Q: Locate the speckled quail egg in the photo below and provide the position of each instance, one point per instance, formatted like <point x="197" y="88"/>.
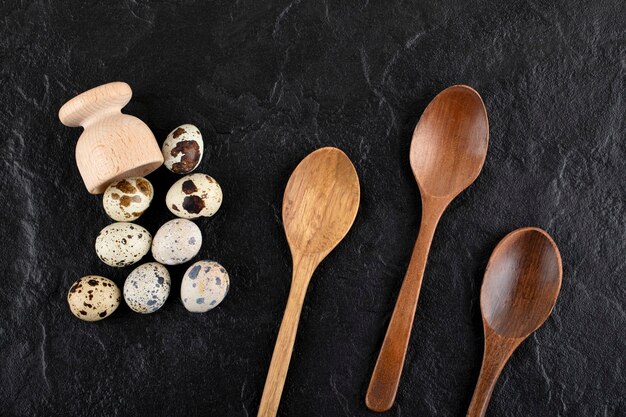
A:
<point x="147" y="288"/>
<point x="195" y="195"/>
<point x="176" y="242"/>
<point x="204" y="286"/>
<point x="183" y="149"/>
<point x="93" y="298"/>
<point x="126" y="200"/>
<point x="122" y="244"/>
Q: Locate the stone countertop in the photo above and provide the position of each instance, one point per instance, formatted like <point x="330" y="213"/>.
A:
<point x="267" y="83"/>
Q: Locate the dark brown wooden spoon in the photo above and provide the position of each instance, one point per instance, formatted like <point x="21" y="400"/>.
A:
<point x="448" y="150"/>
<point x="521" y="284"/>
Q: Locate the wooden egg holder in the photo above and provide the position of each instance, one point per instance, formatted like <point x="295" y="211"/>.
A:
<point x="113" y="145"/>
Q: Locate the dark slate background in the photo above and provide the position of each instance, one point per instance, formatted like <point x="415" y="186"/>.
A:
<point x="267" y="84"/>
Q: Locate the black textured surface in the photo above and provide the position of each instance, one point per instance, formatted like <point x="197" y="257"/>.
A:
<point x="278" y="81"/>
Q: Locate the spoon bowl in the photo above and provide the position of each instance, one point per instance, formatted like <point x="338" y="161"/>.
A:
<point x="521" y="285"/>
<point x="447" y="157"/>
<point x="318" y="208"/>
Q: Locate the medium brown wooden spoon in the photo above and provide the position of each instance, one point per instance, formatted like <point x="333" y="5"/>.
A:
<point x="448" y="150"/>
<point x="521" y="284"/>
<point x="319" y="207"/>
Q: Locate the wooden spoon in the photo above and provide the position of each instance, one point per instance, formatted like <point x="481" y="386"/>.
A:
<point x="319" y="207"/>
<point x="447" y="153"/>
<point x="522" y="282"/>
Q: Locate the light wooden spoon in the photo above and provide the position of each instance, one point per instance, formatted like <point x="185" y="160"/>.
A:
<point x="448" y="150"/>
<point x="319" y="207"/>
<point x="522" y="282"/>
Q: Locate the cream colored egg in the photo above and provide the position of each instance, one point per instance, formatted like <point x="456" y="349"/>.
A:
<point x="204" y="286"/>
<point x="147" y="288"/>
<point x="125" y="200"/>
<point x="183" y="149"/>
<point x="193" y="196"/>
<point x="122" y="244"/>
<point x="176" y="242"/>
<point x="93" y="298"/>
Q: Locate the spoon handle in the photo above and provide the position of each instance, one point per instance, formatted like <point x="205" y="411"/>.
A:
<point x="383" y="386"/>
<point x="497" y="352"/>
<point x="281" y="357"/>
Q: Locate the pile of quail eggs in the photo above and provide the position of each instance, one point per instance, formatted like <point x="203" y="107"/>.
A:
<point x="147" y="287"/>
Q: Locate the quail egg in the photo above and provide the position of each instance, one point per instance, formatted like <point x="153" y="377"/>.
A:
<point x="183" y="149"/>
<point x="126" y="200"/>
<point x="122" y="244"/>
<point x="93" y="298"/>
<point x="176" y="242"/>
<point x="147" y="288"/>
<point x="204" y="286"/>
<point x="193" y="196"/>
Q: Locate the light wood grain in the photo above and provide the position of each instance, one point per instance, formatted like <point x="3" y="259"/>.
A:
<point x="113" y="145"/>
<point x="320" y="204"/>
<point x="522" y="282"/>
<point x="447" y="153"/>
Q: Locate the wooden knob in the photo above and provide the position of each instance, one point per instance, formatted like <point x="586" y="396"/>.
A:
<point x="95" y="103"/>
<point x="113" y="145"/>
